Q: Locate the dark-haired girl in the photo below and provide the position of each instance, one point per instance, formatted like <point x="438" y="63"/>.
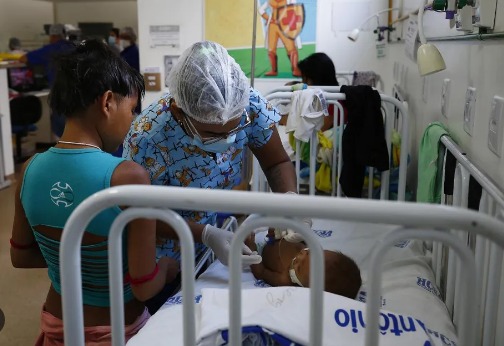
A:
<point x="97" y="93"/>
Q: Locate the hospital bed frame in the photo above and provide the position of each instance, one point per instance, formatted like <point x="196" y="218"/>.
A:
<point x="332" y="95"/>
<point x="275" y="210"/>
<point x="488" y="256"/>
<point x="346" y="78"/>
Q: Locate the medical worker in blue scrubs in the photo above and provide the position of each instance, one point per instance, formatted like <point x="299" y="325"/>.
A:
<point x="45" y="57"/>
<point x="196" y="135"/>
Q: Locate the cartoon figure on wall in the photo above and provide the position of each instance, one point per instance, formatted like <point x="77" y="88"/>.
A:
<point x="284" y="21"/>
<point x="286" y="33"/>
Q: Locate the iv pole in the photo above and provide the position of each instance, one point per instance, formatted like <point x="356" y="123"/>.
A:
<point x="254" y="33"/>
<point x="254" y="168"/>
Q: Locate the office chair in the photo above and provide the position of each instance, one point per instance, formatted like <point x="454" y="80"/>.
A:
<point x="25" y="110"/>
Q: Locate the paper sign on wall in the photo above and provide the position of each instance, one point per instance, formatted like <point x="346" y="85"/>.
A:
<point x="411" y="37"/>
<point x="164" y="35"/>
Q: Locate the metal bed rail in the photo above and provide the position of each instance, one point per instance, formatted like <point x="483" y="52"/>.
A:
<point x="229" y="225"/>
<point x="487" y="256"/>
<point x="346" y="78"/>
<point x="333" y="96"/>
<point x="142" y="199"/>
<point x="260" y="183"/>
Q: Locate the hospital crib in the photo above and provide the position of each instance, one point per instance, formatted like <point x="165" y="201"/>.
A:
<point x="346" y="78"/>
<point x="420" y="221"/>
<point x="464" y="183"/>
<point x="396" y="118"/>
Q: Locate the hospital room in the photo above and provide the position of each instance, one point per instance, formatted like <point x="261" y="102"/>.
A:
<point x="252" y="172"/>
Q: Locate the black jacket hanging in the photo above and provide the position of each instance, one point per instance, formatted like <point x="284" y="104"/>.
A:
<point x="363" y="140"/>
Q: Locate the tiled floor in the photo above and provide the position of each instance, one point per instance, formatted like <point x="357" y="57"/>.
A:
<point x="22" y="291"/>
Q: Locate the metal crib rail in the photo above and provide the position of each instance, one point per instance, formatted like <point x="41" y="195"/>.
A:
<point x="266" y="204"/>
<point x="488" y="257"/>
<point x="492" y="189"/>
<point x="333" y="94"/>
<point x="467" y="331"/>
<point x="316" y="275"/>
<point x="116" y="274"/>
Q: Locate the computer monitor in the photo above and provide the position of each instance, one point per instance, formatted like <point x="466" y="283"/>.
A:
<point x="46" y="28"/>
<point x="21" y="79"/>
<point x="95" y="30"/>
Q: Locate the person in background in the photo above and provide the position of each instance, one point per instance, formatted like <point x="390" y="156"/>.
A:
<point x="129" y="52"/>
<point x="15" y="46"/>
<point x="129" y="49"/>
<point x="318" y="69"/>
<point x="97" y="93"/>
<point x="114" y="41"/>
<point x="44" y="56"/>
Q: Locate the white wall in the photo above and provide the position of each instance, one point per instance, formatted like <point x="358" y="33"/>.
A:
<point x="121" y="13"/>
<point x="472" y="63"/>
<point x="469" y="63"/>
<point x="187" y="14"/>
<point x="348" y="55"/>
<point x="24" y="19"/>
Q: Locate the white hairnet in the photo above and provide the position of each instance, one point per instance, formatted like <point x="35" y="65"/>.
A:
<point x="208" y="84"/>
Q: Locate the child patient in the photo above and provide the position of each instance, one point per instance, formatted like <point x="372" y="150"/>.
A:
<point x="288" y="264"/>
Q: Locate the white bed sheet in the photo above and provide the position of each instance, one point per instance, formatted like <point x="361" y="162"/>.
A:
<point x="408" y="281"/>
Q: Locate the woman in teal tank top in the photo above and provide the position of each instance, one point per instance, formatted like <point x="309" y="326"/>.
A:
<point x="97" y="92"/>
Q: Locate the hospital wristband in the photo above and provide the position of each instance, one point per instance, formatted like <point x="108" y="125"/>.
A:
<point x="141" y="280"/>
<point x="22" y="247"/>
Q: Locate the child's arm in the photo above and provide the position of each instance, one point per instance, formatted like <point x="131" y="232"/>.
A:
<point x="270" y="277"/>
<point x="146" y="276"/>
<point x="24" y="251"/>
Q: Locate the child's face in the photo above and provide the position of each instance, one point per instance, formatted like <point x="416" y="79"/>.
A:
<point x="120" y="121"/>
<point x="301" y="266"/>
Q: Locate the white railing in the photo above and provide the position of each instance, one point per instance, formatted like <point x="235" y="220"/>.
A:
<point x="488" y="257"/>
<point x="429" y="221"/>
<point x="333" y="96"/>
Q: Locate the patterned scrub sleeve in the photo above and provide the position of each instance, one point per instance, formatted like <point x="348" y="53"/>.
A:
<point x="264" y="117"/>
<point x="145" y="143"/>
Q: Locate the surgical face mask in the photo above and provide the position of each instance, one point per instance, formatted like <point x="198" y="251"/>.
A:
<point x="215" y="147"/>
<point x="111" y="40"/>
<point x="292" y="272"/>
<point x="211" y="145"/>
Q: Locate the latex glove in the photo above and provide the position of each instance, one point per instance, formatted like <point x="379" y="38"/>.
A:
<point x="290" y="235"/>
<point x="220" y="242"/>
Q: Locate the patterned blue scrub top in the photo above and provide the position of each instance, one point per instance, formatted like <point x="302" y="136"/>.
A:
<point x="158" y="143"/>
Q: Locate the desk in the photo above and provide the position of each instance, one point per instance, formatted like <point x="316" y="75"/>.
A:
<point x="43" y="134"/>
